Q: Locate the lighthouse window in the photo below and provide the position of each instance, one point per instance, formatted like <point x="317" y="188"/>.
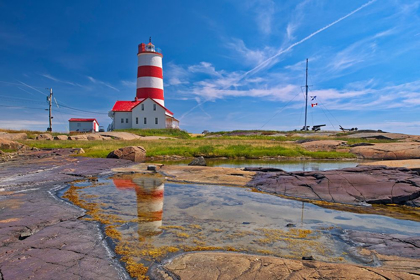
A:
<point x="122" y="120"/>
<point x="156" y="120"/>
<point x="137" y="120"/>
<point x="126" y="120"/>
<point x="154" y="107"/>
<point x="145" y="120"/>
<point x="142" y="107"/>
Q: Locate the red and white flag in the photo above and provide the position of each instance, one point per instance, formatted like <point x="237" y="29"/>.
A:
<point x="314" y="104"/>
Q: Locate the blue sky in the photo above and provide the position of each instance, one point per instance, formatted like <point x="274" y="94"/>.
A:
<point x="227" y="64"/>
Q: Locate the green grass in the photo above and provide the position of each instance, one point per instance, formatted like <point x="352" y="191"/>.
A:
<point x="158" y="132"/>
<point x="192" y="147"/>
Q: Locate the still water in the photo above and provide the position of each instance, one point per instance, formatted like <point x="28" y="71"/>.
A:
<point x="150" y="220"/>
<point x="286" y="165"/>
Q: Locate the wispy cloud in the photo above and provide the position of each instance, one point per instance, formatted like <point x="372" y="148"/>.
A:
<point x="270" y="60"/>
<point x="48" y="76"/>
<point x="264" y="11"/>
<point x="249" y="56"/>
<point x="95" y="81"/>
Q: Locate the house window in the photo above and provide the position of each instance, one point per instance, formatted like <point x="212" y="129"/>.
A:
<point x="156" y="120"/>
<point x="154" y="107"/>
<point x="145" y="120"/>
<point x="126" y="120"/>
<point x="142" y="107"/>
<point x="137" y="120"/>
<point x="122" y="120"/>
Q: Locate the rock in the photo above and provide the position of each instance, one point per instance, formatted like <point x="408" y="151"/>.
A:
<point x="323" y="145"/>
<point x="388" y="151"/>
<point x="78" y="151"/>
<point x="61" y="137"/>
<point x="133" y="153"/>
<point x="199" y="161"/>
<point x="93" y="137"/>
<point x="387" y="244"/>
<point x="307" y="258"/>
<point x="213" y="265"/>
<point x="44" y="136"/>
<point x="78" y="138"/>
<point x="11" y="145"/>
<point x="359" y="185"/>
<point x="13" y="136"/>
<point x="120" y="135"/>
<point x="413" y="164"/>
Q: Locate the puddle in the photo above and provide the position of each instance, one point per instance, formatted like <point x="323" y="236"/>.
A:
<point x="150" y="220"/>
<point x="286" y="165"/>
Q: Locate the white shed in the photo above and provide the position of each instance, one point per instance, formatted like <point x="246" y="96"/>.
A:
<point x="83" y="125"/>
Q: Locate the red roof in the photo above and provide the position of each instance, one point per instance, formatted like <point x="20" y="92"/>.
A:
<point x="82" y="120"/>
<point x="128" y="106"/>
<point x="125" y="106"/>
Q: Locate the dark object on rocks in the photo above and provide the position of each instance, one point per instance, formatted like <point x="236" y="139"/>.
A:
<point x="263" y="169"/>
<point x="362" y="144"/>
<point x="133" y="153"/>
<point x="301" y="141"/>
<point x="246" y="223"/>
<point x="199" y="161"/>
<point x="358" y="185"/>
<point x="151" y="168"/>
<point x="25" y="234"/>
<point x="290" y="225"/>
<point x="308" y="258"/>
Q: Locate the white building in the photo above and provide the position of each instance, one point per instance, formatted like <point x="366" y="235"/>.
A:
<point x="144" y="113"/>
<point x="83" y="125"/>
<point x="148" y="108"/>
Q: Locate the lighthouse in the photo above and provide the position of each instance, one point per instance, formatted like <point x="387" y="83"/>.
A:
<point x="150" y="73"/>
<point x="147" y="110"/>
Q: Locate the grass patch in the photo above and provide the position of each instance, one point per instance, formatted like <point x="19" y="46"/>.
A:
<point x="158" y="132"/>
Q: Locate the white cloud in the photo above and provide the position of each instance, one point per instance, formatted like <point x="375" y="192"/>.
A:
<point x="95" y="81"/>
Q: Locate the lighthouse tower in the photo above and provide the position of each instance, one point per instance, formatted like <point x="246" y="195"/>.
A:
<point x="149" y="73"/>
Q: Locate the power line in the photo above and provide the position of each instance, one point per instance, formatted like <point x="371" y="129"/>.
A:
<point x="280" y="110"/>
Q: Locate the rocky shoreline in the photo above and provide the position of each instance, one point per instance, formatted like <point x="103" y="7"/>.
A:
<point x="42" y="236"/>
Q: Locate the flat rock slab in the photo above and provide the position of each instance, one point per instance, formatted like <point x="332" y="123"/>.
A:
<point x="42" y="237"/>
<point x="413" y="164"/>
<point x="324" y="145"/>
<point x="380" y="135"/>
<point x="226" y="266"/>
<point x="388" y="151"/>
<point x="196" y="174"/>
<point x="120" y="135"/>
<point x="359" y="185"/>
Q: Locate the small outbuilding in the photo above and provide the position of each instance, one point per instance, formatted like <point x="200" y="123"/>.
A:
<point x="83" y="125"/>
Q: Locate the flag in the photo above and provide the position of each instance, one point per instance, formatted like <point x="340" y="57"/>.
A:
<point x="313" y="98"/>
<point x="314" y="104"/>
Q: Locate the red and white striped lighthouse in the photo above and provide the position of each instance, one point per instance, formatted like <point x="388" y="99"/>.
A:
<point x="149" y="73"/>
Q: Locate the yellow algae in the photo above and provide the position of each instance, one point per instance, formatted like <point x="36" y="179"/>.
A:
<point x="195" y="226"/>
<point x="112" y="232"/>
<point x="173" y="227"/>
<point x="265" y="252"/>
<point x="137" y="270"/>
<point x="199" y="242"/>
<point x="182" y="235"/>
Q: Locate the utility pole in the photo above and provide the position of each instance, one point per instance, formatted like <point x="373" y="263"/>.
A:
<point x="49" y="99"/>
<point x="306" y="100"/>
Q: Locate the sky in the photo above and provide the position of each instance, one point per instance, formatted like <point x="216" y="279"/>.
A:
<point x="227" y="65"/>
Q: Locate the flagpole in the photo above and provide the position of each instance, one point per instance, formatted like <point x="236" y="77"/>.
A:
<point x="306" y="100"/>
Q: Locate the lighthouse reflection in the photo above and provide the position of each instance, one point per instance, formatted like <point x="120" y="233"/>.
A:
<point x="149" y="197"/>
